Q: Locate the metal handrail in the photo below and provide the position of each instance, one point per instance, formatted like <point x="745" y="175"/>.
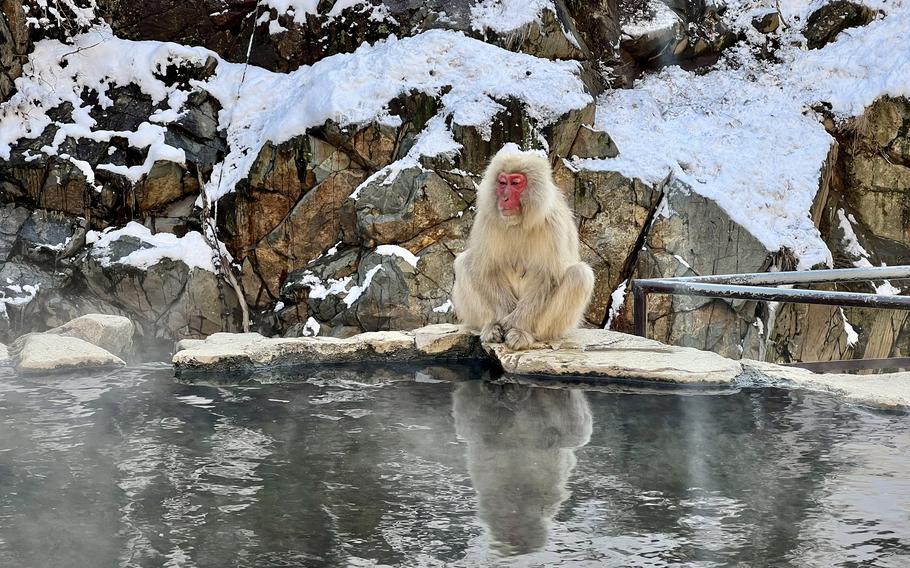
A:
<point x="749" y="287"/>
<point x="800" y="276"/>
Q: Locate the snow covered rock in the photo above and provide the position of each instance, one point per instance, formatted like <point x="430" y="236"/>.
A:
<point x="167" y="284"/>
<point x="111" y="333"/>
<point x="42" y="353"/>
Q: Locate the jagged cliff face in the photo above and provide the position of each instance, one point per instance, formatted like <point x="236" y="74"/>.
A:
<point x="325" y="184"/>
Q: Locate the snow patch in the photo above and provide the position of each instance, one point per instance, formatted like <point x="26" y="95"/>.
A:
<point x="504" y="16"/>
<point x="852" y="336"/>
<point x="851" y="242"/>
<point x="617" y="299"/>
<point x="310" y="328"/>
<point x="400" y="252"/>
<point x="354" y="294"/>
<point x="191" y="249"/>
<point x="21" y="294"/>
<point x="445" y="308"/>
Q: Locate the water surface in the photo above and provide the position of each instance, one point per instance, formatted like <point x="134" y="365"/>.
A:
<point x="435" y="467"/>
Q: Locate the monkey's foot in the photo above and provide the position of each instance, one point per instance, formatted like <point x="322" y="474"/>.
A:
<point x="491" y="333"/>
<point x="518" y="339"/>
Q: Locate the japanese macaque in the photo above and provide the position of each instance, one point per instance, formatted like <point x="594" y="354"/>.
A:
<point x="521" y="443"/>
<point x="521" y="280"/>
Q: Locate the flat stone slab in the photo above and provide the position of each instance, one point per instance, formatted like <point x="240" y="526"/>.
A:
<point x="610" y="354"/>
<point x="43" y="353"/>
<point x="886" y="390"/>
<point x="590" y="354"/>
<point x="249" y="351"/>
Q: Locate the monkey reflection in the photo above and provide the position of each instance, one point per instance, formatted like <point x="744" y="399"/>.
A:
<point x="521" y="449"/>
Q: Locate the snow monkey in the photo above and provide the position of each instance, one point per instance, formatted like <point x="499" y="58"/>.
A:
<point x="521" y="278"/>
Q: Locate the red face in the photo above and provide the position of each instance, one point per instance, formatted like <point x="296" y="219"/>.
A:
<point x="509" y="188"/>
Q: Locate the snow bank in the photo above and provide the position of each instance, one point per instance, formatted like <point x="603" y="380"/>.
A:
<point x="349" y="89"/>
<point x="191" y="248"/>
<point x="744" y="136"/>
<point x="355" y="88"/>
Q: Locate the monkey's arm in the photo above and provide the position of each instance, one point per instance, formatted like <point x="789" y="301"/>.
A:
<point x="536" y="294"/>
<point x="494" y="291"/>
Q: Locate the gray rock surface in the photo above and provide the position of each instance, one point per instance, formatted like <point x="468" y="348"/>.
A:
<point x="111" y="333"/>
<point x="43" y="353"/>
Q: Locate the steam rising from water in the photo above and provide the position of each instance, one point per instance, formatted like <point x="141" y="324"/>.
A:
<point x="402" y="467"/>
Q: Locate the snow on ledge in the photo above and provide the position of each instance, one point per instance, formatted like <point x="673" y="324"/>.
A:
<point x="401" y="252"/>
<point x="191" y="249"/>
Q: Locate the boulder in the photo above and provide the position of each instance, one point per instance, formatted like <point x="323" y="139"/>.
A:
<point x="395" y="211"/>
<point x="43" y="353"/>
<point x="823" y="25"/>
<point x="111" y="333"/>
<point x="609" y="354"/>
<point x="888" y="391"/>
<point x="699" y="238"/>
<point x="166" y="300"/>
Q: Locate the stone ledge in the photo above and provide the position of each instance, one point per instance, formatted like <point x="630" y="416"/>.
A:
<point x="592" y="355"/>
<point x="250" y="351"/>
<point x="610" y="354"/>
<point x="887" y="390"/>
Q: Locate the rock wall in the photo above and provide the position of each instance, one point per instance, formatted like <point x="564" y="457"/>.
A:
<point x="348" y="227"/>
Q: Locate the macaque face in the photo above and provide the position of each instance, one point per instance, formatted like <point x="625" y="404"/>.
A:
<point x="509" y="187"/>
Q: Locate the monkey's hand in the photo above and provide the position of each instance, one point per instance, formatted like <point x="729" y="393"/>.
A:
<point x="491" y="333"/>
<point x="518" y="339"/>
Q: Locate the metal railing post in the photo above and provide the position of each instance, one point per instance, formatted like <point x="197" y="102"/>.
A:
<point x="640" y="309"/>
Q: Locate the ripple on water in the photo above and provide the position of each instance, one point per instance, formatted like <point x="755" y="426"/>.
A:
<point x="134" y="470"/>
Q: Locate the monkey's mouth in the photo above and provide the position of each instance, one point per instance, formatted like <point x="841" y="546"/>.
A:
<point x="510" y="211"/>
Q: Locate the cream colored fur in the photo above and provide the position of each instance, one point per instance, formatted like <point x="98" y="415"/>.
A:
<point x="521" y="279"/>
